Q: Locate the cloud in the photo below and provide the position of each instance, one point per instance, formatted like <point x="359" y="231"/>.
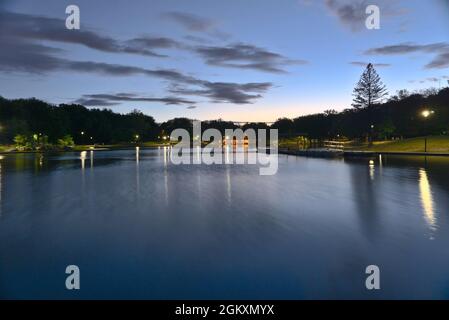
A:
<point x="439" y="62"/>
<point x="439" y="49"/>
<point x="226" y="92"/>
<point x="35" y="58"/>
<point x="218" y="92"/>
<point x="33" y="27"/>
<point x="196" y="39"/>
<point x="195" y="23"/>
<point x="26" y="57"/>
<point x="350" y="14"/>
<point x="154" y="43"/>
<point x="245" y="56"/>
<point x="23" y="51"/>
<point x="94" y="102"/>
<point x="123" y="70"/>
<point x="114" y="99"/>
<point x="404" y="48"/>
<point x="190" y="21"/>
<point x="430" y="79"/>
<point x="364" y="64"/>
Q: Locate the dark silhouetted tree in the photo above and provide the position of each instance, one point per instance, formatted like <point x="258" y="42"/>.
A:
<point x="369" y="90"/>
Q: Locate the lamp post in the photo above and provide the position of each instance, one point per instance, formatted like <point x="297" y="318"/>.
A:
<point x="426" y="114"/>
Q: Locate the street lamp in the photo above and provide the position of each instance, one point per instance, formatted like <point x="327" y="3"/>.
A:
<point x="426" y="113"/>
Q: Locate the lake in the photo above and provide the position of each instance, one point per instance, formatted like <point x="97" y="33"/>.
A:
<point x="150" y="229"/>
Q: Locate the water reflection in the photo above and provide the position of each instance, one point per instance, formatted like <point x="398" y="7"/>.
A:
<point x="228" y="184"/>
<point x="83" y="159"/>
<point x="372" y="169"/>
<point x="165" y="176"/>
<point x="380" y="163"/>
<point x="326" y="218"/>
<point x="227" y="154"/>
<point x="366" y="199"/>
<point x="427" y="199"/>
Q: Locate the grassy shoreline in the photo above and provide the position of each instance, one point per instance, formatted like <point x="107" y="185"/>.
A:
<point x="435" y="145"/>
<point x="10" y="149"/>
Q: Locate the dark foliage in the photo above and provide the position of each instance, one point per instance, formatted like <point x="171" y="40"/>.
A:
<point x="398" y="117"/>
<point x="32" y="116"/>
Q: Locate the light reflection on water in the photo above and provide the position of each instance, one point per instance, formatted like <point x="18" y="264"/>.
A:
<point x="222" y="231"/>
<point x="427" y="199"/>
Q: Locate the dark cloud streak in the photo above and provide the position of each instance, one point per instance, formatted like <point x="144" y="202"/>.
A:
<point x="226" y="92"/>
<point x="114" y="99"/>
<point x="439" y="49"/>
<point x="245" y="56"/>
<point x="364" y="64"/>
<point x="195" y="23"/>
<point x="51" y="29"/>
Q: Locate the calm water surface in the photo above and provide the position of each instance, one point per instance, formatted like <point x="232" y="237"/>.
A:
<point x="150" y="229"/>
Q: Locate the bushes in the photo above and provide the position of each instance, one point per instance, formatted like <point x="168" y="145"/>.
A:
<point x="66" y="142"/>
<point x="40" y="142"/>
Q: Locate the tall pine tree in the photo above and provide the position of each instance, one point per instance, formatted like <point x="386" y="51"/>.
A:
<point x="369" y="90"/>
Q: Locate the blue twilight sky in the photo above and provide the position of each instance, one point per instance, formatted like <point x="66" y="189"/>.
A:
<point x="240" y="60"/>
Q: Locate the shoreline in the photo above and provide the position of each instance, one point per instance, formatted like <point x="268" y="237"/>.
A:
<point x="86" y="148"/>
<point x="318" y="153"/>
<point x="328" y="153"/>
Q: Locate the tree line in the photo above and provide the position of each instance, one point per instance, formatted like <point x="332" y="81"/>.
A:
<point x="399" y="117"/>
<point x="32" y="121"/>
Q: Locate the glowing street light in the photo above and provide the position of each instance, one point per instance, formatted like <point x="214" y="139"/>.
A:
<point x="427" y="113"/>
